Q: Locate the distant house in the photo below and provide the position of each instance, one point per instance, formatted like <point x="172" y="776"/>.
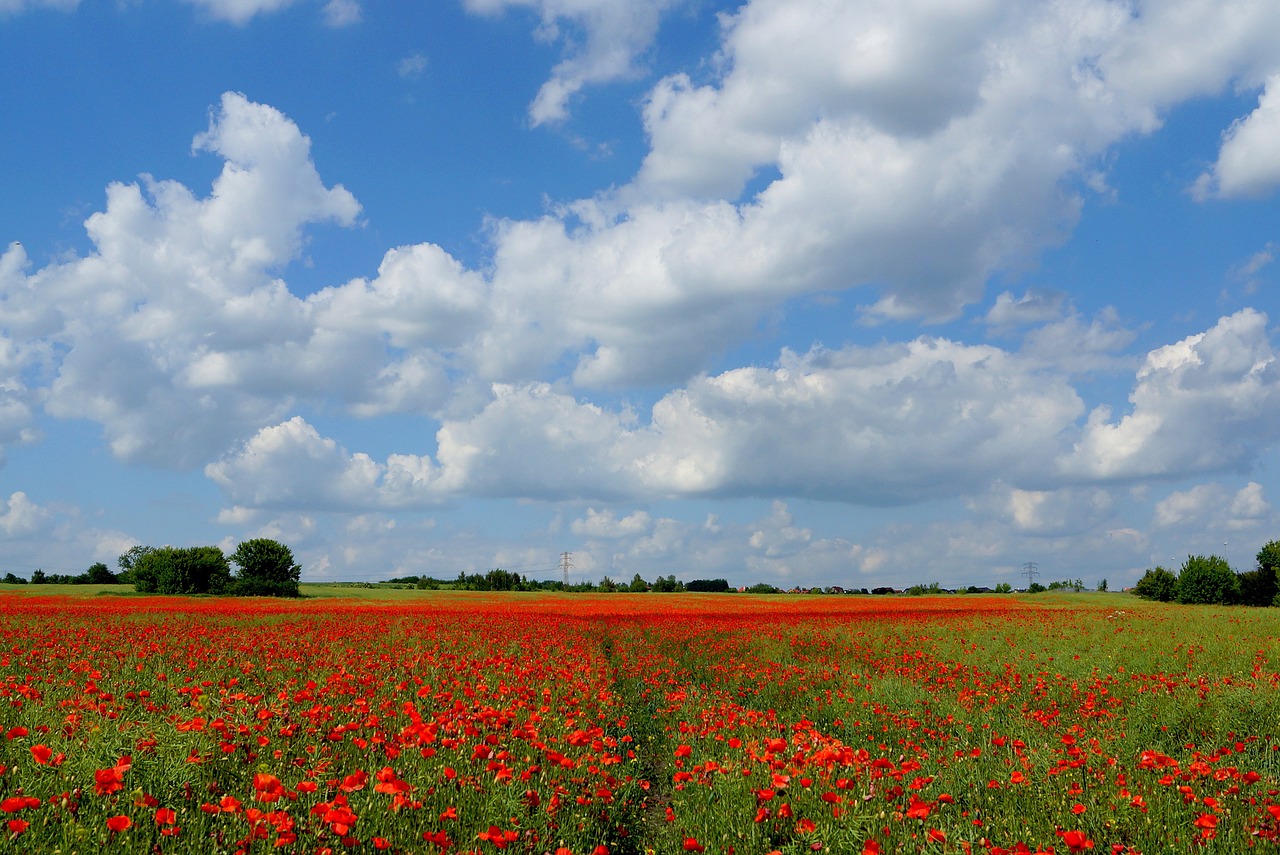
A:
<point x="835" y="589"/>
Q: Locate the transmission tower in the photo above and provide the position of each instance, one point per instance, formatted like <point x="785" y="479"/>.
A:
<point x="566" y="564"/>
<point x="1031" y="571"/>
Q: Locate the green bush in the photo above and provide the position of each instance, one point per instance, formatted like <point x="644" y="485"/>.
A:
<point x="1260" y="587"/>
<point x="265" y="569"/>
<point x="1208" y="580"/>
<point x="193" y="570"/>
<point x="1157" y="584"/>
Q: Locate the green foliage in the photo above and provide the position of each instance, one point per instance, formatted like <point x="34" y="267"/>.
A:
<point x="1102" y="586"/>
<point x="495" y="580"/>
<point x="265" y="569"/>
<point x="1157" y="584"/>
<point x="193" y="570"/>
<point x="10" y="579"/>
<point x="1076" y="585"/>
<point x="1269" y="556"/>
<point x="1207" y="580"/>
<point x="708" y="585"/>
<point x="667" y="585"/>
<point x="638" y="585"/>
<point x="762" y="588"/>
<point x="1259" y="587"/>
<point x="1004" y="588"/>
<point x="100" y="574"/>
<point x="38" y="577"/>
<point x="1036" y="588"/>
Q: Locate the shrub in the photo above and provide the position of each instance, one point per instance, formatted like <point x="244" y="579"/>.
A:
<point x="1207" y="580"/>
<point x="1157" y="584"/>
<point x="193" y="570"/>
<point x="1260" y="587"/>
<point x="266" y="569"/>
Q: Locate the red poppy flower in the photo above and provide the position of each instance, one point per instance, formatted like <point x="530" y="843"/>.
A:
<point x="119" y="823"/>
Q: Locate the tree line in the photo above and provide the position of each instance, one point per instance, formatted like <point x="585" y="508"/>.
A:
<point x="1210" y="580"/>
<point x="505" y="580"/>
<point x="263" y="568"/>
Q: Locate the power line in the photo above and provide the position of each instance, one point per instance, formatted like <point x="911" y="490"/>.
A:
<point x="1031" y="570"/>
<point x="566" y="564"/>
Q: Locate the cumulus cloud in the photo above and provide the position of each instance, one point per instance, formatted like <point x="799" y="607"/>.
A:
<point x="603" y="41"/>
<point x="175" y="333"/>
<point x="1207" y="403"/>
<point x="884" y="425"/>
<point x="1248" y="163"/>
<point x="1035" y="306"/>
<point x="1213" y="507"/>
<point x="55" y="538"/>
<point x="911" y="151"/>
<point x="291" y="466"/>
<point x="605" y="524"/>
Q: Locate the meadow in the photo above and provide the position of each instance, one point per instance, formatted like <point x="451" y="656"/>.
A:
<point x="428" y="722"/>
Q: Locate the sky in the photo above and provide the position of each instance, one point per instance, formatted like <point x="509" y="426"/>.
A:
<point x="806" y="292"/>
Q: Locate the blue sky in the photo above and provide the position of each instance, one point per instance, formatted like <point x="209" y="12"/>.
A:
<point x="802" y="292"/>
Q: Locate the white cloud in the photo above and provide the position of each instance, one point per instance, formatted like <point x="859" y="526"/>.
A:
<point x="1213" y="507"/>
<point x="1208" y="403"/>
<point x="1249" y="161"/>
<point x="1047" y="513"/>
<point x="412" y="65"/>
<point x="1073" y="346"/>
<point x="341" y="13"/>
<point x="291" y="466"/>
<point x="176" y="337"/>
<point x="603" y="42"/>
<point x="605" y="524"/>
<point x="1035" y="306"/>
<point x="15" y="7"/>
<point x="55" y="538"/>
<point x="239" y="11"/>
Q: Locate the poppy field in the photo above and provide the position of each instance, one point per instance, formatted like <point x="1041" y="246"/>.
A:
<point x="629" y="724"/>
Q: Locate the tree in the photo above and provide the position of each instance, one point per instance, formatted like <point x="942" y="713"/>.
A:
<point x="10" y="579"/>
<point x="1259" y="587"/>
<point x="1157" y="584"/>
<point x="192" y="570"/>
<point x="100" y="574"/>
<point x="1102" y="586"/>
<point x="267" y="569"/>
<point x="1004" y="588"/>
<point x="38" y="577"/>
<point x="666" y="584"/>
<point x="128" y="560"/>
<point x="1207" y="580"/>
<point x="638" y="585"/>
